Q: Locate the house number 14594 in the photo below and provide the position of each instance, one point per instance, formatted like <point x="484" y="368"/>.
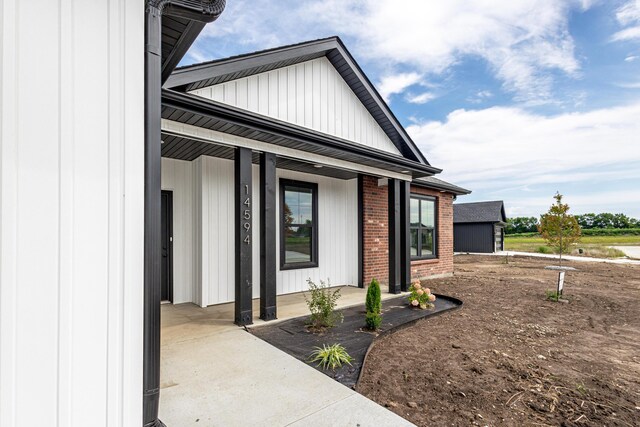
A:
<point x="246" y="216"/>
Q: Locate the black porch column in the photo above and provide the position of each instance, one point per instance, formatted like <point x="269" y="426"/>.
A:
<point x="243" y="240"/>
<point x="360" y="231"/>
<point x="268" y="236"/>
<point x="405" y="235"/>
<point x="394" y="236"/>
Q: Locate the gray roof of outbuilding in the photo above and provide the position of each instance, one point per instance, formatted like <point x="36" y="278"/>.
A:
<point x="479" y="212"/>
<point x="438" y="184"/>
<point x="191" y="77"/>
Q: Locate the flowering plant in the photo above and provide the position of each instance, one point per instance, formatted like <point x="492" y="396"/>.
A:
<point x="420" y="296"/>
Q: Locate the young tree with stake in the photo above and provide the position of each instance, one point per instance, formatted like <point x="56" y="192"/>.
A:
<point x="559" y="229"/>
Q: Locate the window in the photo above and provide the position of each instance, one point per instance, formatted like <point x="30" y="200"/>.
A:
<point x="298" y="224"/>
<point x="423" y="227"/>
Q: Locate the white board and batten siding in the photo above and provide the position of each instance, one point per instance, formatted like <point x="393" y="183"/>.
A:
<point x="310" y="94"/>
<point x="71" y="212"/>
<point x="212" y="224"/>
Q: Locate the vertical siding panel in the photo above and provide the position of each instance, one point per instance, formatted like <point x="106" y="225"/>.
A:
<point x="230" y="93"/>
<point x="242" y="96"/>
<point x="263" y="94"/>
<point x="323" y="103"/>
<point x="292" y="96"/>
<point x="331" y="100"/>
<point x="308" y="90"/>
<point x="337" y="93"/>
<point x="283" y="98"/>
<point x="71" y="211"/>
<point x="315" y="94"/>
<point x="300" y="95"/>
<point x="252" y="89"/>
<point x="273" y="93"/>
<point x="218" y="93"/>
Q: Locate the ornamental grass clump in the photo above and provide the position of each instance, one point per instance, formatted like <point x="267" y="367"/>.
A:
<point x="420" y="297"/>
<point x="330" y="357"/>
<point x="373" y="304"/>
<point x="322" y="305"/>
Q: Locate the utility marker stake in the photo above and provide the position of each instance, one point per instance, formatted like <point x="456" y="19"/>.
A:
<point x="560" y="283"/>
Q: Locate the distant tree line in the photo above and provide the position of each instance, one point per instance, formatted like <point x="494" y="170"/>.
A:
<point x="586" y="221"/>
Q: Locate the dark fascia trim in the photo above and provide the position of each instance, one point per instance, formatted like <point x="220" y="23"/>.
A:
<point x="314" y="263"/>
<point x="453" y="189"/>
<point x="184" y="76"/>
<point x="198" y="105"/>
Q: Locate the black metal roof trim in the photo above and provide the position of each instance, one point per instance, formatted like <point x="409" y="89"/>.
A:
<point x="438" y="184"/>
<point x="245" y="123"/>
<point x="182" y="23"/>
<point x="492" y="212"/>
<point x="217" y="71"/>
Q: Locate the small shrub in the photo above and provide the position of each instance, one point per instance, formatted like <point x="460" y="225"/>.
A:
<point x="420" y="296"/>
<point x="544" y="250"/>
<point x="330" y="357"/>
<point x="322" y="305"/>
<point x="552" y="295"/>
<point x="373" y="304"/>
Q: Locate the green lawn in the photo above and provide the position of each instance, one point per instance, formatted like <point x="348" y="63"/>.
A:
<point x="595" y="246"/>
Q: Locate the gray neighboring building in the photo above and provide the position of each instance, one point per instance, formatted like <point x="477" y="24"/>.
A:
<point x="479" y="227"/>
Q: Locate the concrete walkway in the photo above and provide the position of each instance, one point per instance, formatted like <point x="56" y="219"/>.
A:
<point x="553" y="256"/>
<point x="214" y="373"/>
<point x="630" y="251"/>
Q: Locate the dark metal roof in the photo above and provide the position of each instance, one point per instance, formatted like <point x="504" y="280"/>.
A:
<point x="218" y="71"/>
<point x="438" y="184"/>
<point x="479" y="212"/>
<point x="208" y="114"/>
<point x="181" y="148"/>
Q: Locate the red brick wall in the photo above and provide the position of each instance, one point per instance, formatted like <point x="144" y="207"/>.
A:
<point x="376" y="234"/>
<point x="375" y="231"/>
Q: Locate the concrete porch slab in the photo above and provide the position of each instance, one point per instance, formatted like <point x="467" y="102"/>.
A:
<point x="214" y="373"/>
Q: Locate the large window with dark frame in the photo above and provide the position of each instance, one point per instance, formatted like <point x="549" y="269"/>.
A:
<point x="298" y="224"/>
<point x="423" y="227"/>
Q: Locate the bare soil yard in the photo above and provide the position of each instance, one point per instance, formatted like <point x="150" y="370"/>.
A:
<point x="510" y="357"/>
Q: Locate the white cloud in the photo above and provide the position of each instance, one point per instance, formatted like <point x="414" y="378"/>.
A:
<point x="421" y="98"/>
<point x="631" y="58"/>
<point x="500" y="148"/>
<point x="628" y="14"/>
<point x="631" y="33"/>
<point x="396" y="83"/>
<point x="523" y="42"/>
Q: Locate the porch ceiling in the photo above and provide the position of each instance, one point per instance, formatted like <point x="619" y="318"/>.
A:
<point x="207" y="114"/>
<point x="176" y="147"/>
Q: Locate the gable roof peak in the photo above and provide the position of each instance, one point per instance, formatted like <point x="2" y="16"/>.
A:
<point x="218" y="71"/>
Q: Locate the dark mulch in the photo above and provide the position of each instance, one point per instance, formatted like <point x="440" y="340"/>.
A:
<point x="293" y="337"/>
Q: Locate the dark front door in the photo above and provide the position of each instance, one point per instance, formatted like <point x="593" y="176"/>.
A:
<point x="167" y="246"/>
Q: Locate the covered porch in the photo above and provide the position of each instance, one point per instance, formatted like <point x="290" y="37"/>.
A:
<point x="233" y="209"/>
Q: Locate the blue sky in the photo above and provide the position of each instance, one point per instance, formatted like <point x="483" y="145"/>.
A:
<point x="515" y="100"/>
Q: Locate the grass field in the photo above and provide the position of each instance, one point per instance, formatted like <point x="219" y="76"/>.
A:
<point x="595" y="246"/>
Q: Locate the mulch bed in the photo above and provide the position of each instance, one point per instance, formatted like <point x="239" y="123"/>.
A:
<point x="293" y="337"/>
